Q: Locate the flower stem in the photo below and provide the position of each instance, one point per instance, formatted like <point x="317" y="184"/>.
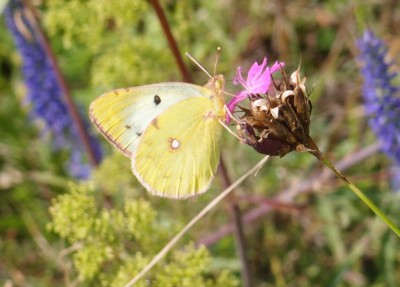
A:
<point x="357" y="191"/>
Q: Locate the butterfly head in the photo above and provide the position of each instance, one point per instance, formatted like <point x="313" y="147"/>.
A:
<point x="216" y="84"/>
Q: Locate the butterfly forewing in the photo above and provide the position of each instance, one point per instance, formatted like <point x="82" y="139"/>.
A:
<point x="123" y="115"/>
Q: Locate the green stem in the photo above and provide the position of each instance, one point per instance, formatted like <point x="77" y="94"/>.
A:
<point x="357" y="191"/>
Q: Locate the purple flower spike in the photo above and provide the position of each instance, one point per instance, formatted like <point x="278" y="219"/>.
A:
<point x="258" y="81"/>
<point x="44" y="94"/>
<point x="381" y="96"/>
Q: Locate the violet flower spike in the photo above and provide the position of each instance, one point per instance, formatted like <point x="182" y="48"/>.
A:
<point x="381" y="97"/>
<point x="258" y="81"/>
<point x="44" y="94"/>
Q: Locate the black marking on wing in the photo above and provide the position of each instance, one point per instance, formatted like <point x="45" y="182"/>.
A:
<point x="157" y="100"/>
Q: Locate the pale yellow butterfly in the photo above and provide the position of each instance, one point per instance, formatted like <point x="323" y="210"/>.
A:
<point x="171" y="132"/>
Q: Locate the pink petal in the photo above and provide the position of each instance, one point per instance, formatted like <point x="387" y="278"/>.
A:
<point x="236" y="99"/>
<point x="261" y="84"/>
<point x="231" y="105"/>
<point x="255" y="71"/>
<point x="258" y="81"/>
<point x="276" y="66"/>
<point x="238" y="79"/>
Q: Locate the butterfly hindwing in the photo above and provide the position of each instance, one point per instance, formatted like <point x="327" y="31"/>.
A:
<point x="123" y="115"/>
<point x="178" y="153"/>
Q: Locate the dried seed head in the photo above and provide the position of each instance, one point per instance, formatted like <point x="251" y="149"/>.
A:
<point x="278" y="122"/>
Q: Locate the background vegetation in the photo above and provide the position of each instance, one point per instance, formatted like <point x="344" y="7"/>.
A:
<point x="302" y="227"/>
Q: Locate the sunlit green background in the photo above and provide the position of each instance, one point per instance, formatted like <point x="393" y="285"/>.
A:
<point x="56" y="231"/>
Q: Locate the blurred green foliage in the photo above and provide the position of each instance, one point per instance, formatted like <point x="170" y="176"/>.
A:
<point x="104" y="231"/>
<point x="110" y="244"/>
<point x="124" y="43"/>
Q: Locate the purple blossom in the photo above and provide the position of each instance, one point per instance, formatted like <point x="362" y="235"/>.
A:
<point x="258" y="81"/>
<point x="44" y="95"/>
<point x="381" y="95"/>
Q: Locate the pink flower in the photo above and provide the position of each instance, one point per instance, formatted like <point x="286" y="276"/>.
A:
<point x="258" y="81"/>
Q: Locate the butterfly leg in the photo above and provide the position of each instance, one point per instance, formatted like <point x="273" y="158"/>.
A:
<point x="229" y="130"/>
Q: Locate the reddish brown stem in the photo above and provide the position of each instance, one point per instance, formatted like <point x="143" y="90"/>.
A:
<point x="71" y="107"/>
<point x="234" y="208"/>
<point x="236" y="216"/>
<point x="171" y="40"/>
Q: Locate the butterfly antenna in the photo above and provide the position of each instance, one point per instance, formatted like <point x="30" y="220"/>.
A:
<point x="216" y="59"/>
<point x="197" y="63"/>
<point x="228" y="94"/>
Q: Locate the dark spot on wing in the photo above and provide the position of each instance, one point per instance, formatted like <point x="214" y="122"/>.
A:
<point x="157" y="100"/>
<point x="127" y="126"/>
<point x="138" y="134"/>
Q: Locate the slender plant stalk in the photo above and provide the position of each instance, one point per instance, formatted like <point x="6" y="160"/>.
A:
<point x="357" y="191"/>
<point x="171" y="40"/>
<point x="241" y="246"/>
<point x="72" y="109"/>
<point x="286" y="196"/>
<point x="240" y="239"/>
<point x="192" y="222"/>
<point x="234" y="208"/>
<point x="313" y="149"/>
